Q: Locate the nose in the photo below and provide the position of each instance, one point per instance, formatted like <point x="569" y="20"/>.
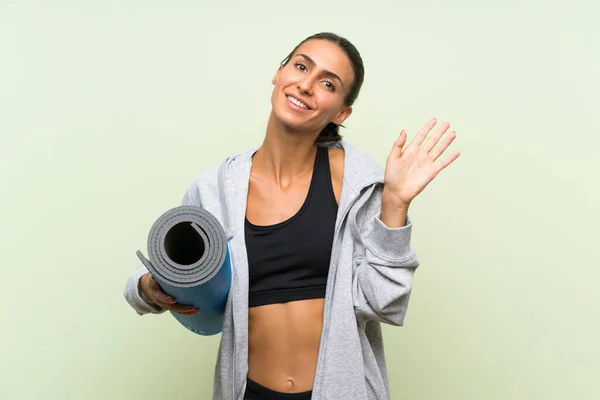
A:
<point x="305" y="85"/>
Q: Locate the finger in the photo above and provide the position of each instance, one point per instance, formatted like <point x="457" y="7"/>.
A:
<point x="158" y="294"/>
<point x="449" y="160"/>
<point x="188" y="314"/>
<point x="180" y="308"/>
<point x="398" y="145"/>
<point x="152" y="282"/>
<point x="443" y="145"/>
<point x="433" y="140"/>
<point x="185" y="310"/>
<point x="418" y="140"/>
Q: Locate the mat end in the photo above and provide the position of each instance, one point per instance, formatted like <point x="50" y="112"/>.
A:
<point x="144" y="260"/>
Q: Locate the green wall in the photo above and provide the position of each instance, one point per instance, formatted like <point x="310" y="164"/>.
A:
<point x="109" y="109"/>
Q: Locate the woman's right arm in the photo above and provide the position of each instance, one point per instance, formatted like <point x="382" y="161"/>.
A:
<point x="146" y="296"/>
<point x="143" y="292"/>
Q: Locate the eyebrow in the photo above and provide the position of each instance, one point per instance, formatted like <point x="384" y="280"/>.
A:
<point x="326" y="72"/>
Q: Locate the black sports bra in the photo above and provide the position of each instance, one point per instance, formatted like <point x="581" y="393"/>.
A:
<point x="290" y="260"/>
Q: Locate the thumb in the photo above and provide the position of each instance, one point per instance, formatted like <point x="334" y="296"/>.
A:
<point x="398" y="145"/>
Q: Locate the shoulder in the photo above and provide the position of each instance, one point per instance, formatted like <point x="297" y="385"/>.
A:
<point x="359" y="169"/>
<point x="336" y="161"/>
<point x="205" y="185"/>
<point x="202" y="184"/>
<point x="232" y="163"/>
<point x="336" y="170"/>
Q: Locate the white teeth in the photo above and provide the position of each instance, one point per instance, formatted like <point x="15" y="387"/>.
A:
<point x="298" y="102"/>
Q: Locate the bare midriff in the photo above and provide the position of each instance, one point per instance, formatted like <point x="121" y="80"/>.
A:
<point x="283" y="344"/>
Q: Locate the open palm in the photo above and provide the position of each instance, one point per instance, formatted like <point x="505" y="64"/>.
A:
<point x="409" y="170"/>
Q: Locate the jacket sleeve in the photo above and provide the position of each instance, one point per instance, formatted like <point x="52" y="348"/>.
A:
<point x="133" y="294"/>
<point x="384" y="269"/>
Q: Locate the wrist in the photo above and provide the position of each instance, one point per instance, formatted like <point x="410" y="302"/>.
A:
<point x="390" y="199"/>
<point x="394" y="212"/>
<point x="141" y="291"/>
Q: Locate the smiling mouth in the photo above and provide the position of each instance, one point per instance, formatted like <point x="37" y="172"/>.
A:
<point x="297" y="102"/>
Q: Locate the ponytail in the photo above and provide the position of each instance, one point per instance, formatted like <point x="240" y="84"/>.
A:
<point x="331" y="133"/>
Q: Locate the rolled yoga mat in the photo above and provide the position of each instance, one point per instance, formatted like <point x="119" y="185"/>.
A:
<point x="189" y="257"/>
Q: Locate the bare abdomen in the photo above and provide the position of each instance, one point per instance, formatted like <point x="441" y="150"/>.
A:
<point x="283" y="344"/>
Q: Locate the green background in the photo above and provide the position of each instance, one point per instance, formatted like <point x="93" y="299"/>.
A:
<point x="109" y="109"/>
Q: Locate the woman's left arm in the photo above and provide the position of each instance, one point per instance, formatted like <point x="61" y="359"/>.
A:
<point x="383" y="277"/>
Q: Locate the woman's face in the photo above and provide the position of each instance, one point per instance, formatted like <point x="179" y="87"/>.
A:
<point x="310" y="89"/>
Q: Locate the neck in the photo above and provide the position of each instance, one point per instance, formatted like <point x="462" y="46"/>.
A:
<point x="285" y="154"/>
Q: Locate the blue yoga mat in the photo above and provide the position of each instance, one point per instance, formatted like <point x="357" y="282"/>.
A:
<point x="189" y="257"/>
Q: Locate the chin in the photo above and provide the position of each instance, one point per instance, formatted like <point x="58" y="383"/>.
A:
<point x="290" y="119"/>
<point x="292" y="123"/>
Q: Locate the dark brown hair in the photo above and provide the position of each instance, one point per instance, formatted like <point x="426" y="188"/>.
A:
<point x="330" y="133"/>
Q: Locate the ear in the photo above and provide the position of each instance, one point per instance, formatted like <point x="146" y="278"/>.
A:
<point x="342" y="116"/>
<point x="274" y="80"/>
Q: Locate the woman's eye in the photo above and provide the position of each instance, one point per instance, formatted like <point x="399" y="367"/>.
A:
<point x="329" y="85"/>
<point x="301" y="67"/>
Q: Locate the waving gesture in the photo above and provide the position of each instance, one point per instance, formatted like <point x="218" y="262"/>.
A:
<point x="408" y="171"/>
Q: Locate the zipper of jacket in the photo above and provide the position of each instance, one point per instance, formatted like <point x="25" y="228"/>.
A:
<point x="329" y="289"/>
<point x="229" y="235"/>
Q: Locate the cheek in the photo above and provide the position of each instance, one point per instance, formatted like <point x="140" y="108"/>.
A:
<point x="281" y="83"/>
<point x="284" y="81"/>
<point x="330" y="103"/>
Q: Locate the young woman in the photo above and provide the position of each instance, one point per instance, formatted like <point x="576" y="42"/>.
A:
<point x="320" y="240"/>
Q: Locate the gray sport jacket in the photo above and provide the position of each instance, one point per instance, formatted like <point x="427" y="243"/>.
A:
<point x="369" y="282"/>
